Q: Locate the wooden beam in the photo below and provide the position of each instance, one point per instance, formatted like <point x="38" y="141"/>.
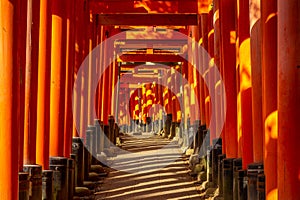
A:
<point x="149" y="19"/>
<point x="151" y="58"/>
<point x="135" y="80"/>
<point x="153" y="42"/>
<point x="145" y="6"/>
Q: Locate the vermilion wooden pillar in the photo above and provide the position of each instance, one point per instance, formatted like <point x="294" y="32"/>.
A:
<point x="114" y="82"/>
<point x="172" y="90"/>
<point x="143" y="100"/>
<point x="100" y="83"/>
<point x="190" y="92"/>
<point x="131" y="104"/>
<point x="218" y="63"/>
<point x="202" y="64"/>
<point x="8" y="115"/>
<point x="20" y="26"/>
<point x="195" y="62"/>
<point x="288" y="99"/>
<point x="70" y="54"/>
<point x="245" y="84"/>
<point x="84" y="13"/>
<point x="149" y="98"/>
<point x="168" y="95"/>
<point x="110" y="65"/>
<point x="57" y="87"/>
<point x="210" y="75"/>
<point x="159" y="98"/>
<point x="91" y="71"/>
<point x="78" y="60"/>
<point x="256" y="77"/>
<point x="178" y="97"/>
<point x="105" y="79"/>
<point x="227" y="23"/>
<point x="43" y="101"/>
<point x="31" y="80"/>
<point x="269" y="90"/>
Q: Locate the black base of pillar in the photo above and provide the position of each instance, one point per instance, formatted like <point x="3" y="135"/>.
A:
<point x="61" y="172"/>
<point x="242" y="184"/>
<point x="23" y="186"/>
<point x="35" y="178"/>
<point x="227" y="164"/>
<point x="47" y="185"/>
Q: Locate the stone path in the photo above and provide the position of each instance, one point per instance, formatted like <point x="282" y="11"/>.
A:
<point x="148" y="167"/>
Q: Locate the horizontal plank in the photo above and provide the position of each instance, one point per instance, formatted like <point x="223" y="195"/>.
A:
<point x="148" y="19"/>
<point x="151" y="58"/>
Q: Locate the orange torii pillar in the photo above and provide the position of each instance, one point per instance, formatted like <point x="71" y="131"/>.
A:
<point x="78" y="58"/>
<point x="245" y="85"/>
<point x="97" y="37"/>
<point x="85" y="74"/>
<point x="227" y="23"/>
<point x="114" y="82"/>
<point x="31" y="75"/>
<point x="132" y="110"/>
<point x="159" y="100"/>
<point x="218" y="63"/>
<point x="167" y="102"/>
<point x="57" y="88"/>
<point x="178" y="96"/>
<point x="110" y="69"/>
<point x="269" y="97"/>
<point x="190" y="79"/>
<point x="91" y="69"/>
<point x="149" y="103"/>
<point x="172" y="97"/>
<point x="202" y="67"/>
<point x="43" y="101"/>
<point x="195" y="61"/>
<point x="105" y="79"/>
<point x="70" y="53"/>
<point x="256" y="77"/>
<point x="288" y="99"/>
<point x="143" y="103"/>
<point x="168" y="99"/>
<point x="128" y="114"/>
<point x="210" y="76"/>
<point x="186" y="96"/>
<point x="9" y="114"/>
<point x="100" y="71"/>
<point x="20" y="26"/>
<point x="174" y="100"/>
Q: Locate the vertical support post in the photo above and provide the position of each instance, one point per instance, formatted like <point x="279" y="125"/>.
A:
<point x="20" y="25"/>
<point x="227" y="23"/>
<point x="269" y="90"/>
<point x="288" y="99"/>
<point x="78" y="59"/>
<point x="218" y="64"/>
<point x="31" y="80"/>
<point x="70" y="52"/>
<point x="43" y="101"/>
<point x="256" y="77"/>
<point x="210" y="75"/>
<point x="9" y="134"/>
<point x="245" y="85"/>
<point x="84" y="13"/>
<point x="100" y="71"/>
<point x="105" y="81"/>
<point x="57" y="80"/>
<point x="201" y="81"/>
<point x="91" y="72"/>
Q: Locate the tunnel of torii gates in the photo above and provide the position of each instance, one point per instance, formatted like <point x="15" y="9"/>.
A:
<point x="255" y="45"/>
